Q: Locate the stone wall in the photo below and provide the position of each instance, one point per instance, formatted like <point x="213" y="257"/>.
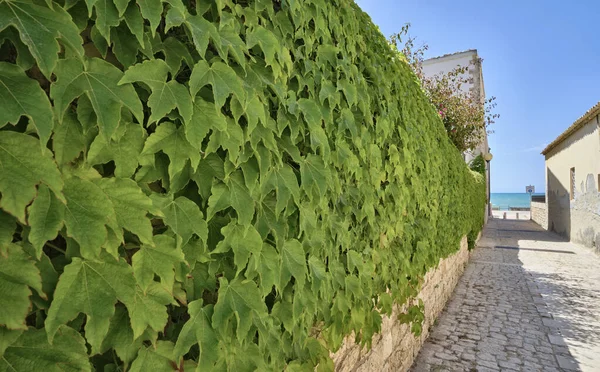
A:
<point x="395" y="348"/>
<point x="539" y="214"/>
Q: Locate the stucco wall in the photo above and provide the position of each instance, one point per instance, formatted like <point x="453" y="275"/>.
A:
<point x="395" y="348"/>
<point x="445" y="64"/>
<point x="585" y="214"/>
<point x="577" y="219"/>
<point x="539" y="214"/>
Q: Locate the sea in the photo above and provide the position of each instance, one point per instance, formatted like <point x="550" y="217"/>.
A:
<point x="505" y="200"/>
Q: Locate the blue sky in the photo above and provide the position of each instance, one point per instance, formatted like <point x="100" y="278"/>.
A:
<point x="541" y="61"/>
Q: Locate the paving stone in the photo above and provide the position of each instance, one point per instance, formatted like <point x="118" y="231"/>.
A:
<point x="485" y="363"/>
<point x="486" y="356"/>
<point x="551" y="369"/>
<point x="468" y="356"/>
<point x="485" y="369"/>
<point x="557" y="340"/>
<point x="529" y="310"/>
<point x="567" y="363"/>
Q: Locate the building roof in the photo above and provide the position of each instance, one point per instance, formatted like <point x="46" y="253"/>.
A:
<point x="573" y="128"/>
<point x="455" y="54"/>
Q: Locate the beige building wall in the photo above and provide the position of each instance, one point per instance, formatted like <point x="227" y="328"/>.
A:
<point x="574" y="205"/>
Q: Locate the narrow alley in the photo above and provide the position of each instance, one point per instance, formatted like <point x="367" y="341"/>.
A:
<point x="528" y="301"/>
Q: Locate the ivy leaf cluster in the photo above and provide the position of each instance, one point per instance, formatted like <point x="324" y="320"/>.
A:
<point x="213" y="185"/>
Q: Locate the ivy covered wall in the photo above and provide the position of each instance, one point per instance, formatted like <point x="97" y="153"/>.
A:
<point x="213" y="185"/>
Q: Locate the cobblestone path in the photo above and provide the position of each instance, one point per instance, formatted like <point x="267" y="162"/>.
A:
<point x="528" y="301"/>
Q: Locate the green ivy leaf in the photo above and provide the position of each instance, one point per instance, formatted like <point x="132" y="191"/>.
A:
<point x="99" y="81"/>
<point x="92" y="288"/>
<point x="8" y="225"/>
<point x="202" y="31"/>
<point x="21" y="95"/>
<point x="24" y="58"/>
<point x="7" y="338"/>
<point x="349" y="90"/>
<point x="254" y="110"/>
<point x="125" y="46"/>
<point x="240" y="300"/>
<point x="46" y="216"/>
<point x="99" y="41"/>
<point x="160" y="259"/>
<point x="120" y="337"/>
<point x="68" y="140"/>
<point x="328" y="92"/>
<point x="175" y="52"/>
<point x="172" y="141"/>
<point x="107" y="16"/>
<point x="175" y="15"/>
<point x="265" y="263"/>
<point x="243" y="240"/>
<point x="154" y="359"/>
<point x="218" y="200"/>
<point x="222" y="78"/>
<point x="231" y="140"/>
<point x="49" y="278"/>
<point x="86" y="115"/>
<point x="211" y="167"/>
<point x="185" y="218"/>
<point x="32" y="352"/>
<point x="121" y="6"/>
<point x="123" y="148"/>
<point x="284" y="182"/>
<point x="232" y="44"/>
<point x="17" y="274"/>
<point x="313" y="116"/>
<point x="313" y="173"/>
<point x="149" y="309"/>
<point x="22" y="169"/>
<point x="204" y="118"/>
<point x="151" y="10"/>
<point x="292" y="263"/>
<point x="240" y="198"/>
<point x="319" y="273"/>
<point x="235" y="356"/>
<point x="198" y="330"/>
<point x="165" y="95"/>
<point x="40" y="27"/>
<point x="88" y="210"/>
<point x="267" y="41"/>
<point x="131" y="206"/>
<point x="135" y="22"/>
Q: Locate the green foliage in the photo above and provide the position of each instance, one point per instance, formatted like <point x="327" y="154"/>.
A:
<point x="466" y="118"/>
<point x="478" y="165"/>
<point x="213" y="185"/>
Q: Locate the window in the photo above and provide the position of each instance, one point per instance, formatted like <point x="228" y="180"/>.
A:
<point x="572" y="183"/>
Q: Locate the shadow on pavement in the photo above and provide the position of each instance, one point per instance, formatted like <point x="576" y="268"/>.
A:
<point x="497" y="318"/>
<point x="514" y="238"/>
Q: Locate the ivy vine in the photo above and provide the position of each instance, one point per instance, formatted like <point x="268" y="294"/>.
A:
<point x="213" y="185"/>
